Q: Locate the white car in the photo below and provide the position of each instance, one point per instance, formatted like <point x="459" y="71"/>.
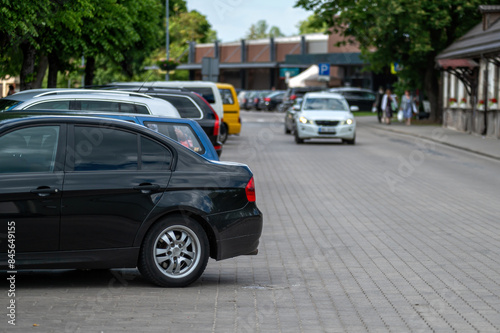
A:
<point x="87" y="100"/>
<point x="323" y="115"/>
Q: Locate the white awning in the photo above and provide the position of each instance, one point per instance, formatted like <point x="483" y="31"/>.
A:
<point x="308" y="78"/>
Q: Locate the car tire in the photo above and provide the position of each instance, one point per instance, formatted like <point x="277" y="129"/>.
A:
<point x="174" y="252"/>
<point x="297" y="139"/>
<point x="223" y="133"/>
<point x="350" y="142"/>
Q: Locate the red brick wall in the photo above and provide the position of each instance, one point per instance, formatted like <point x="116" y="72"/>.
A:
<point x="202" y="52"/>
<point x="230" y="53"/>
<point x="282" y="49"/>
<point x="254" y="50"/>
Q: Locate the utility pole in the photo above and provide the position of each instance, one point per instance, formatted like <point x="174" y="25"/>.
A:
<point x="168" y="42"/>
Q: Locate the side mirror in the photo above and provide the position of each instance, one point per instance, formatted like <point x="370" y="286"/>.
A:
<point x="296" y="107"/>
<point x="354" y="108"/>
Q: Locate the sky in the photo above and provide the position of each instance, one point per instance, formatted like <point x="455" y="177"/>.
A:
<point x="232" y="18"/>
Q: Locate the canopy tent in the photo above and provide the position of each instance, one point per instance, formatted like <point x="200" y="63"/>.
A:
<point x="308" y="78"/>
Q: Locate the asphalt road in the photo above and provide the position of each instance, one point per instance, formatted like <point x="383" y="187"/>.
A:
<point x="394" y="234"/>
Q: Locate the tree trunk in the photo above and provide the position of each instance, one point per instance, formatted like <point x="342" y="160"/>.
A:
<point x="431" y="88"/>
<point x="43" y="62"/>
<point x="89" y="71"/>
<point x="28" y="66"/>
<point x="53" y="69"/>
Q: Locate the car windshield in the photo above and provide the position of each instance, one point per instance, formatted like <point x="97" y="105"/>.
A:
<point x="6" y="104"/>
<point x="322" y="103"/>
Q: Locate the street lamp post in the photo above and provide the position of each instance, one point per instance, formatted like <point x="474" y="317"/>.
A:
<point x="168" y="42"/>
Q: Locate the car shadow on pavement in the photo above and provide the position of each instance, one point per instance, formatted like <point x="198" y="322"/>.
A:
<point x="69" y="278"/>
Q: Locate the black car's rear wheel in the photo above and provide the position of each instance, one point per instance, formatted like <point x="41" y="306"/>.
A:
<point x="174" y="252"/>
<point x="223" y="133"/>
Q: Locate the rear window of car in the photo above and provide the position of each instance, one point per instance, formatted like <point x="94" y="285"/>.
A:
<point x="207" y="93"/>
<point x="227" y="96"/>
<point x="186" y="107"/>
<point x="181" y="133"/>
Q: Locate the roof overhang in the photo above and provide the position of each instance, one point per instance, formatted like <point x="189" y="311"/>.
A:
<point x="457" y="63"/>
<point x="235" y="65"/>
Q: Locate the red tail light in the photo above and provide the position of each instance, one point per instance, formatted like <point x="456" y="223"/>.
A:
<point x="267" y="99"/>
<point x="250" y="190"/>
<point x="292" y="97"/>
<point x="217" y="120"/>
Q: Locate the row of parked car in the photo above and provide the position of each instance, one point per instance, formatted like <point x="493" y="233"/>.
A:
<point x="127" y="175"/>
<point x="281" y="100"/>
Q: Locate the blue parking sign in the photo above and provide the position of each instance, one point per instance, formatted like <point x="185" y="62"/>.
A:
<point x="324" y="69"/>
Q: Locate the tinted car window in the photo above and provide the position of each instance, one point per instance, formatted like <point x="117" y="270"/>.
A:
<point x="207" y="93"/>
<point x="6" y="104"/>
<point x="51" y="105"/>
<point x="227" y="96"/>
<point x="154" y="155"/>
<point x="179" y="132"/>
<point x="185" y="106"/>
<point x="104" y="149"/>
<point x="29" y="150"/>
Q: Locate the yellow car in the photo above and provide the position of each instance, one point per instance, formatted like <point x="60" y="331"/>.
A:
<point x="231" y="122"/>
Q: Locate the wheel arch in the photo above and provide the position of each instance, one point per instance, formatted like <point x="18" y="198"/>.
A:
<point x="212" y="238"/>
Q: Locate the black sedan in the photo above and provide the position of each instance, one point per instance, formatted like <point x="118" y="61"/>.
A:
<point x="271" y="101"/>
<point x="92" y="193"/>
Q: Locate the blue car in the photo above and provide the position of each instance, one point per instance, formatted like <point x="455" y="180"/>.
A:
<point x="185" y="131"/>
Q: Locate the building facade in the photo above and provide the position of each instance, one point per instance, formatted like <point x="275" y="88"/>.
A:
<point x="267" y="63"/>
<point x="470" y="88"/>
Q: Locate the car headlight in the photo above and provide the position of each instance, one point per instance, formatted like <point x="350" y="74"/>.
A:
<point x="304" y="120"/>
<point x="347" y="122"/>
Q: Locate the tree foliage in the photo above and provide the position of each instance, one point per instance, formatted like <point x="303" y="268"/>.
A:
<point x="261" y="30"/>
<point x="412" y="33"/>
<point x="312" y="24"/>
<point x="116" y="37"/>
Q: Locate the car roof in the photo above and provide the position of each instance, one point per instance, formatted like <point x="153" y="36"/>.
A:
<point x="45" y="92"/>
<point x="160" y="84"/>
<point x="29" y="97"/>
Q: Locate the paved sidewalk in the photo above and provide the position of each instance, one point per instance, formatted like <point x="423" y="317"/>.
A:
<point x="485" y="146"/>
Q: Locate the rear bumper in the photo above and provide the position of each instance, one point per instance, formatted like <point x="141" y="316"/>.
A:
<point x="238" y="232"/>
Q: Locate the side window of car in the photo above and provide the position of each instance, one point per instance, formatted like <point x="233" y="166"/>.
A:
<point x="141" y="109"/>
<point x="51" y="105"/>
<point x="100" y="148"/>
<point x="30" y="149"/>
<point x="154" y="156"/>
<point x="103" y="106"/>
<point x="181" y="133"/>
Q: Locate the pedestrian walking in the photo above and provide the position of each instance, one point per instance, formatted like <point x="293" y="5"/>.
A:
<point x="377" y="105"/>
<point x="389" y="104"/>
<point x="407" y="106"/>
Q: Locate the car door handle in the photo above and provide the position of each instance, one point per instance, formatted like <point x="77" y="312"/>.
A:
<point x="147" y="187"/>
<point x="44" y="191"/>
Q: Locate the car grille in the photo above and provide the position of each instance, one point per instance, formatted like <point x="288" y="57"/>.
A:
<point x="326" y="122"/>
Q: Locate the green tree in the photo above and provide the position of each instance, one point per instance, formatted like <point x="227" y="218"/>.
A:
<point x="313" y="23"/>
<point x="412" y="33"/>
<point x="260" y="30"/>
